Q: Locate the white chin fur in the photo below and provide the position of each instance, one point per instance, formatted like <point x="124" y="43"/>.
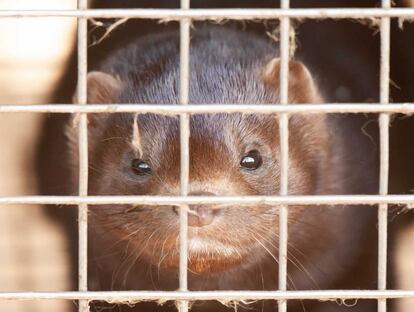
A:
<point x="203" y="245"/>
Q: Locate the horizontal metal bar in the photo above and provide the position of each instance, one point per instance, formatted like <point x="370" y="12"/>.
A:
<point x="217" y="14"/>
<point x="223" y="296"/>
<point x="193" y="200"/>
<point x="168" y="109"/>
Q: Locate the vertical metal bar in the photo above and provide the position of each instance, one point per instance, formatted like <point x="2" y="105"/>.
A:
<point x="284" y="152"/>
<point x="384" y="155"/>
<point x="184" y="150"/>
<point x="83" y="156"/>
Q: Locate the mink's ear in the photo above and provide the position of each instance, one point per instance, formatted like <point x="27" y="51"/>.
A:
<point x="302" y="88"/>
<point x="102" y="88"/>
<point x="311" y="129"/>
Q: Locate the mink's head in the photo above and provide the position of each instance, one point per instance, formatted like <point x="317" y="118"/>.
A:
<point x="230" y="154"/>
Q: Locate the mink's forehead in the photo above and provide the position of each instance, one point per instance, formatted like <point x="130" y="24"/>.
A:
<point x="208" y="128"/>
<point x="215" y="83"/>
<point x="225" y="67"/>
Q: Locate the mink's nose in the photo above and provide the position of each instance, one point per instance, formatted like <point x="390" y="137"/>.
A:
<point x="201" y="215"/>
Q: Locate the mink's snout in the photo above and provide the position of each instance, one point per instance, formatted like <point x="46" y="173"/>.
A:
<point x="201" y="215"/>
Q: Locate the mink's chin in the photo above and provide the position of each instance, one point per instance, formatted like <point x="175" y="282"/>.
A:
<point x="207" y="256"/>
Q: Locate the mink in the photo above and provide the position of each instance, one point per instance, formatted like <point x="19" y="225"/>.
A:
<point x="231" y="247"/>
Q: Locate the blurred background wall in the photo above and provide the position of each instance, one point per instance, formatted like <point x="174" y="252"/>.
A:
<point x="33" y="53"/>
<point x="32" y="253"/>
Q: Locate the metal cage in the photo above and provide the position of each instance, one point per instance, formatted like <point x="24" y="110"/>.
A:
<point x="185" y="16"/>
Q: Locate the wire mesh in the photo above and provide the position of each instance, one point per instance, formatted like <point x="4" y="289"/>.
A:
<point x="186" y="15"/>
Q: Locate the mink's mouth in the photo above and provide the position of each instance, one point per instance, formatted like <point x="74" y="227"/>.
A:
<point x="220" y="246"/>
<point x="207" y="256"/>
<point x="199" y="245"/>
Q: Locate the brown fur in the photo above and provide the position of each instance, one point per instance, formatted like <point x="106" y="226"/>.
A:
<point x="137" y="247"/>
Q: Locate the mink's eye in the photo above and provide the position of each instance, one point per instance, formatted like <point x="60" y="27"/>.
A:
<point x="140" y="167"/>
<point x="251" y="161"/>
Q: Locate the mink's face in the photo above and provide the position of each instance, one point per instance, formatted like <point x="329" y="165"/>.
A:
<point x="230" y="154"/>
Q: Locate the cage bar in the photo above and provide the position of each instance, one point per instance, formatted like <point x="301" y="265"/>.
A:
<point x="307" y="200"/>
<point x="218" y="14"/>
<point x="168" y="109"/>
<point x="83" y="157"/>
<point x="284" y="152"/>
<point x="384" y="120"/>
<point x="131" y="297"/>
<point x="184" y="151"/>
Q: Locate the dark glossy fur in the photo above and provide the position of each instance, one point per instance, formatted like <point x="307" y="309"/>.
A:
<point x="343" y="59"/>
<point x="136" y="247"/>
